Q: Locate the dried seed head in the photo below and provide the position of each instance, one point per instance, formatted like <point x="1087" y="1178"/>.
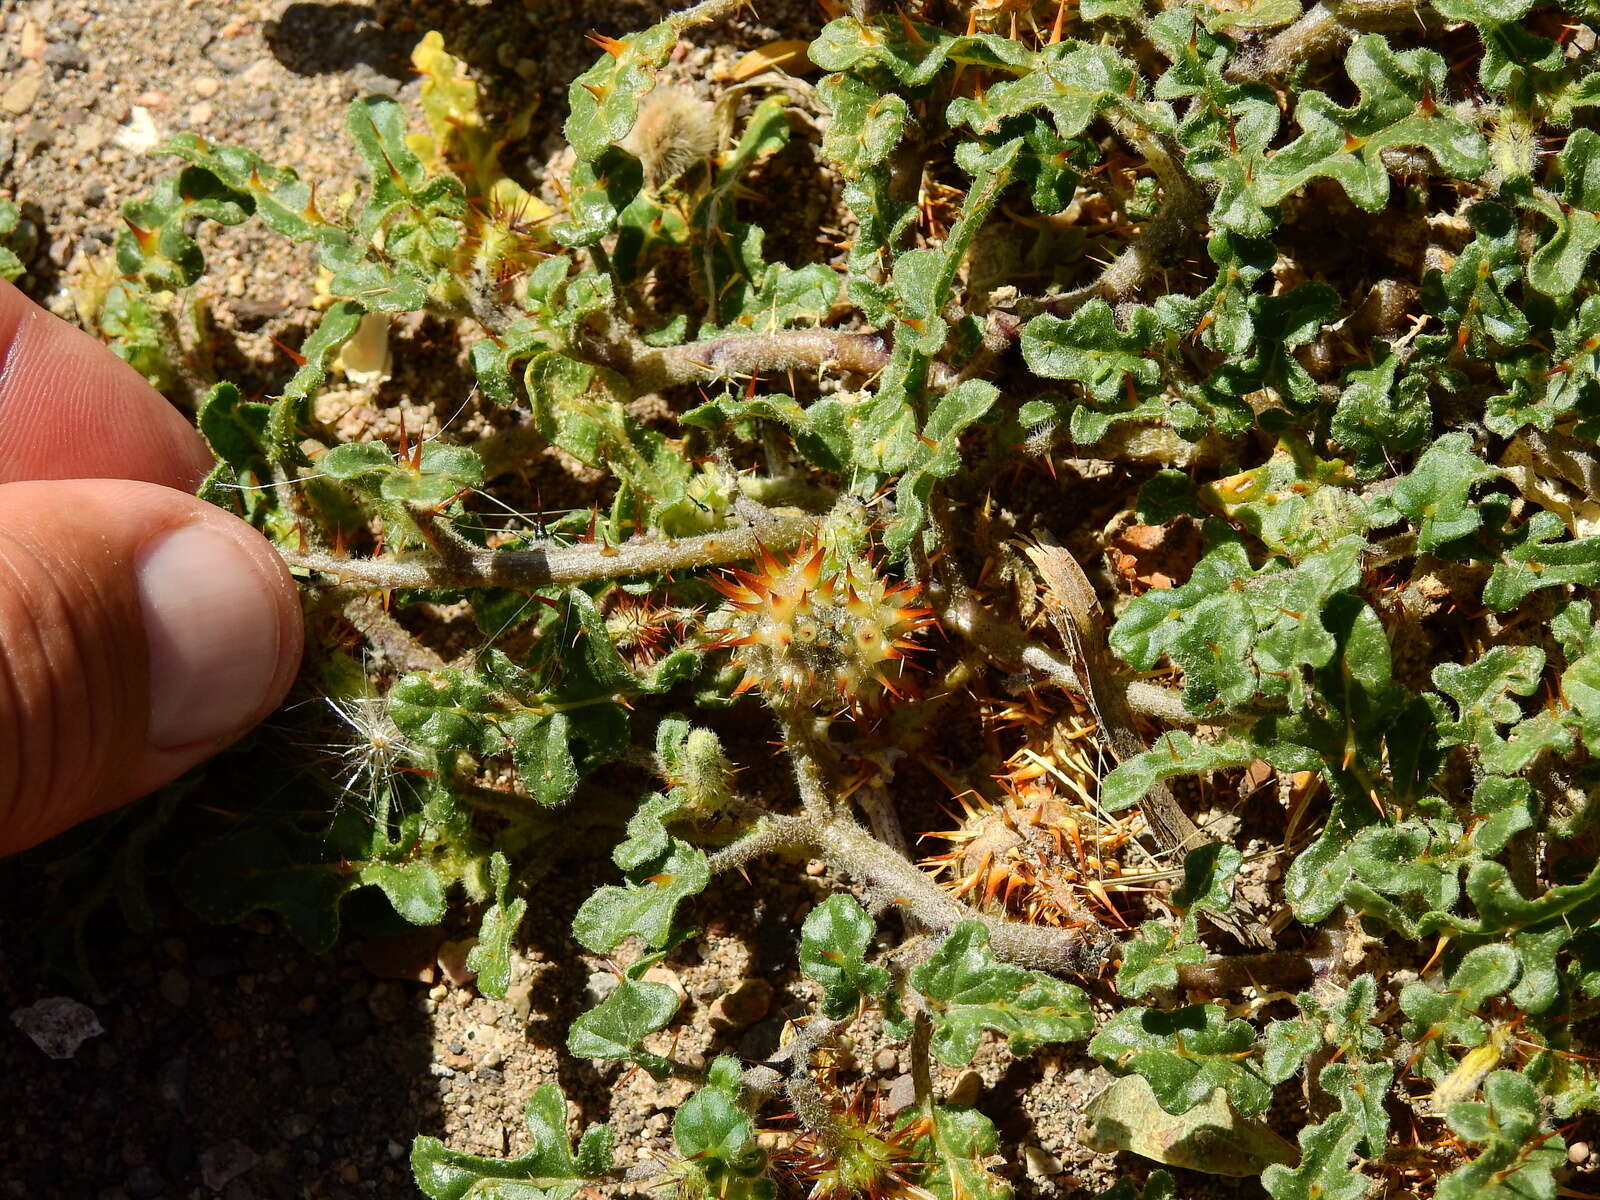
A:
<point x="675" y="132"/>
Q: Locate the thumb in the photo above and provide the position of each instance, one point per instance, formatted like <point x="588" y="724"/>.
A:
<point x="141" y="630"/>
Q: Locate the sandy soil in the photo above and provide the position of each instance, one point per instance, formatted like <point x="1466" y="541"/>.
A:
<point x="232" y="1063"/>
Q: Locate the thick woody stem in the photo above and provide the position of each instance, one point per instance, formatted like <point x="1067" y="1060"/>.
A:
<point x="801" y="740"/>
<point x="1323" y="30"/>
<point x="850" y="850"/>
<point x="741" y="355"/>
<point x="555" y="565"/>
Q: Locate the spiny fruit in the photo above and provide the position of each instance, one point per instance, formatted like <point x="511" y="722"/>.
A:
<point x="813" y="637"/>
<point x="861" y="1156"/>
<point x="642" y="629"/>
<point x="1039" y="849"/>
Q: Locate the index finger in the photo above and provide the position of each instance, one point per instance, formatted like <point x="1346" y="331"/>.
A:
<point x="71" y="409"/>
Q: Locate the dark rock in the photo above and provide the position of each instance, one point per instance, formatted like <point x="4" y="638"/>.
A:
<point x="144" y="1183"/>
<point x="742" y="1006"/>
<point x="66" y="56"/>
<point x="172" y="1082"/>
<point x="221" y="1164"/>
<point x="318" y="1063"/>
<point x="388" y="1002"/>
<point x="341" y="1120"/>
<point x="216" y="966"/>
<point x="351" y="1025"/>
<point x="176" y="988"/>
<point x="902" y="1095"/>
<point x="43" y="1179"/>
<point x="178" y="1159"/>
<point x="252" y="312"/>
<point x="231" y="54"/>
<point x="760" y="1041"/>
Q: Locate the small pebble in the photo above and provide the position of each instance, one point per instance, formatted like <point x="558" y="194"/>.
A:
<point x="387" y="1002"/>
<point x="902" y="1095"/>
<point x="453" y="961"/>
<point x="519" y="998"/>
<point x="221" y="1164"/>
<point x="742" y="1007"/>
<point x="206" y="87"/>
<point x="1578" y="1153"/>
<point x="1040" y="1164"/>
<point x="31" y="43"/>
<point x="887" y="1061"/>
<point x="145" y="1182"/>
<point x="965" y="1090"/>
<point x="600" y="985"/>
<point x="68" y="56"/>
<point x="23" y="89"/>
<point x="175" y="987"/>
<point x="670" y="978"/>
<point x="58" y="1025"/>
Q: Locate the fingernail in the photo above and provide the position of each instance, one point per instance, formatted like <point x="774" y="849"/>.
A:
<point x="211" y="621"/>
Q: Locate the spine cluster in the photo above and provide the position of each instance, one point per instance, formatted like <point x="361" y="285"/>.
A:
<point x="813" y="633"/>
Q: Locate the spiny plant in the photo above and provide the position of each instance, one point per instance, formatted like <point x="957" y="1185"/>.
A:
<point x="805" y="634"/>
<point x="1306" y="288"/>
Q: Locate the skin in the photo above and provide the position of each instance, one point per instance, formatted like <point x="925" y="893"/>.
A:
<point x="96" y="468"/>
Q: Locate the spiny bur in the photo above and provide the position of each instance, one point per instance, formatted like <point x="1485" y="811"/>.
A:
<point x="812" y="637"/>
<point x="700" y="773"/>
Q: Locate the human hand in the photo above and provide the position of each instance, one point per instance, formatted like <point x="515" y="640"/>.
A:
<point x="141" y="629"/>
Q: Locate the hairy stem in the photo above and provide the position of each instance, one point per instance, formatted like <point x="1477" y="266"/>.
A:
<point x="389" y="640"/>
<point x="1180" y="206"/>
<point x="1013" y="650"/>
<point x="805" y="748"/>
<point x="741" y="355"/>
<point x="888" y="877"/>
<point x="1323" y="30"/>
<point x="554" y="565"/>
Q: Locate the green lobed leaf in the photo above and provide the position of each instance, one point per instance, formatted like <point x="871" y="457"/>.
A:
<point x="833" y="947"/>
<point x="617" y="1026"/>
<point x="1151" y="958"/>
<point x="969" y="990"/>
<point x="490" y="959"/>
<point x="1518" y="1156"/>
<point x="1185" y="1055"/>
<point x="603" y="102"/>
<point x="1557" y="266"/>
<point x="956" y="1152"/>
<point x="548" y="1171"/>
<point x="644" y="905"/>
<point x="1089" y="348"/>
<point x="1324" y="1171"/>
<point x="1173" y="754"/>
